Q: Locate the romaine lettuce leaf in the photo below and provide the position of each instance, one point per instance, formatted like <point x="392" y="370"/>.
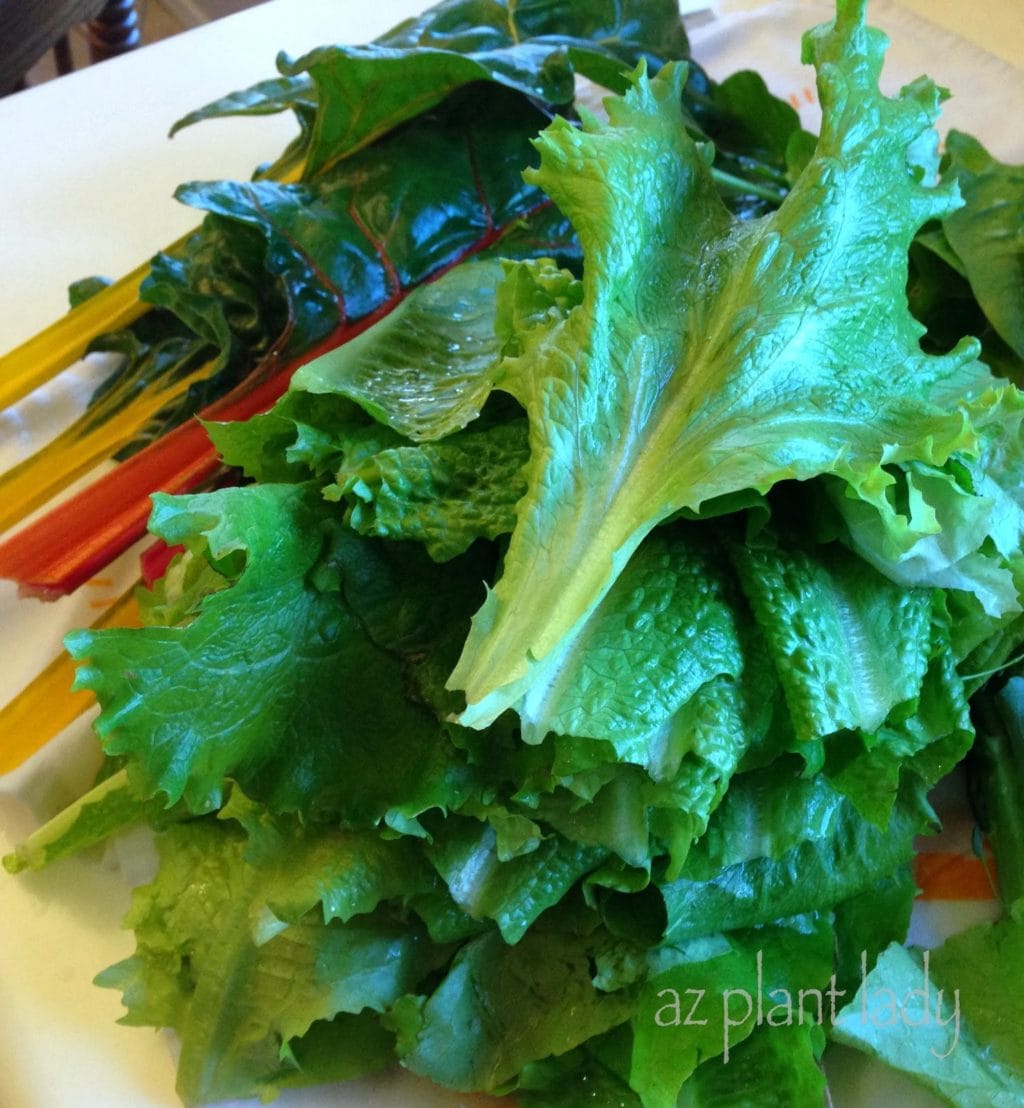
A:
<point x="950" y="1017"/>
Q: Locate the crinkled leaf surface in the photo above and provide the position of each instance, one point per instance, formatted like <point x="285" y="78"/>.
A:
<point x="514" y="892"/>
<point x="344" y="873"/>
<point x="275" y="682"/>
<point x="444" y="495"/>
<point x="237" y="1003"/>
<point x="848" y="644"/>
<point x="710" y="356"/>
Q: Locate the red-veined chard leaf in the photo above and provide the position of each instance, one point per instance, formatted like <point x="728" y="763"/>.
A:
<point x="348" y="96"/>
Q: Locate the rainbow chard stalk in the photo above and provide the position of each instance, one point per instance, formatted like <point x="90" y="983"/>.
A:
<point x="341" y="258"/>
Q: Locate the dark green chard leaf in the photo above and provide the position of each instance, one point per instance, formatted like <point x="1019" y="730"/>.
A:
<point x="276" y="269"/>
<point x="359" y="93"/>
<point x="987" y="233"/>
<point x="215" y="307"/>
<point x="278" y="94"/>
<point x="353" y="238"/>
<point x="942" y="299"/>
<point x="415" y="168"/>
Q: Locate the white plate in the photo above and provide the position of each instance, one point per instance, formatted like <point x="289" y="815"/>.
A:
<point x="59" y="1043"/>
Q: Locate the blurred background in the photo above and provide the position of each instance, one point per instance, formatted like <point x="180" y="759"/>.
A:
<point x="156" y="20"/>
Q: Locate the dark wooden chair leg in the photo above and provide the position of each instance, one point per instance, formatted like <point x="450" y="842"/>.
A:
<point x="62" y="55"/>
<point x="114" y="31"/>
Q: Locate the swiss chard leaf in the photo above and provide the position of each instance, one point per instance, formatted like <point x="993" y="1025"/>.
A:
<point x="276" y="269"/>
<point x="987" y="233"/>
<point x="348" y="96"/>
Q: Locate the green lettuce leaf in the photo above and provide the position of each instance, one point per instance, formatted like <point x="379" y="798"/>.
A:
<point x="112" y="806"/>
<point x="710" y="356"/>
<point x="814" y="852"/>
<point x="783" y="1061"/>
<point x="948" y="1017"/>
<point x="849" y="645"/>
<point x="444" y="495"/>
<point x="190" y="709"/>
<point x="237" y="1003"/>
<point x="513" y="892"/>
<point x="709" y="995"/>
<point x="501" y="1007"/>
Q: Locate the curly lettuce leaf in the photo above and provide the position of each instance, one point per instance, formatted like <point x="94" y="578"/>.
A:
<point x="241" y="1005"/>
<point x="275" y="682"/>
<point x="512" y="892"/>
<point x="710" y="356"/>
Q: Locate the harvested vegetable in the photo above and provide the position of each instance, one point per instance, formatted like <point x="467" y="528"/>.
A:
<point x="554" y="706"/>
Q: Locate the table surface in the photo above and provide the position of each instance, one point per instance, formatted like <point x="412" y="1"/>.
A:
<point x="90" y="191"/>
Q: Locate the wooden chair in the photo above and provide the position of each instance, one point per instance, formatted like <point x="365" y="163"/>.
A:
<point x="28" y="28"/>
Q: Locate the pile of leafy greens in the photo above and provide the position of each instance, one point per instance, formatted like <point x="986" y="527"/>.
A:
<point x="553" y="706"/>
